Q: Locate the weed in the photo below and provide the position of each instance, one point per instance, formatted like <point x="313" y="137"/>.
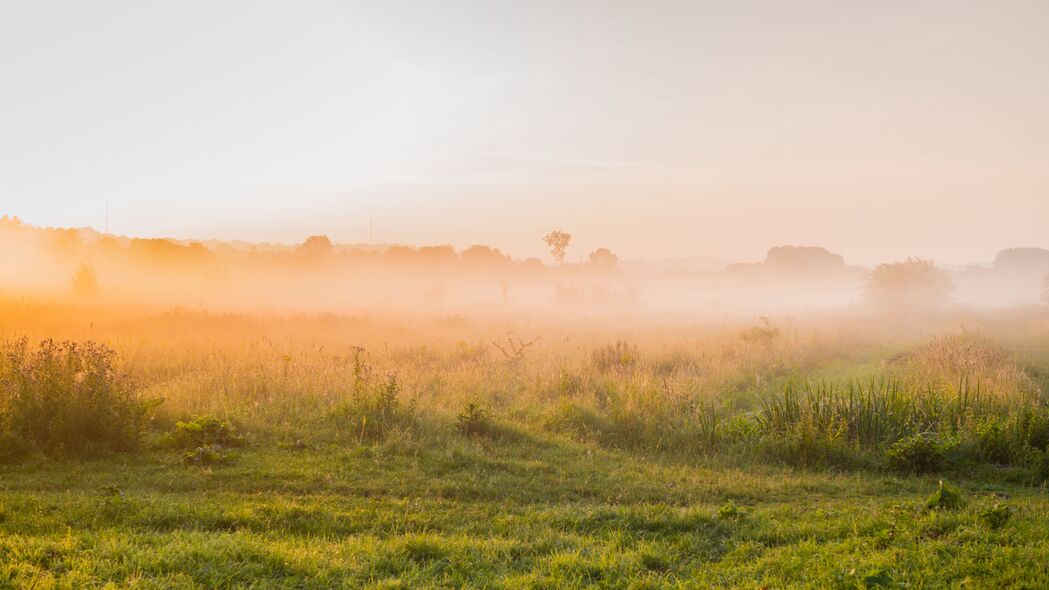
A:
<point x="996" y="515"/>
<point x="920" y="453"/>
<point x="204" y="431"/>
<point x="729" y="511"/>
<point x="620" y="356"/>
<point x="205" y="455"/>
<point x="67" y="398"/>
<point x="946" y="497"/>
<point x="473" y="420"/>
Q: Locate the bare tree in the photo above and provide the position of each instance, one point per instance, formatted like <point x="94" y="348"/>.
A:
<point x="515" y="347"/>
<point x="558" y="242"/>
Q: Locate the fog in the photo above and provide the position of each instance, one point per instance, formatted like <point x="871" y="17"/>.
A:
<point x="86" y="266"/>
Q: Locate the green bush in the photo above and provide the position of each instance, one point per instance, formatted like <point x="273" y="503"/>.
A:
<point x="205" y="455"/>
<point x="996" y="515"/>
<point x="811" y="448"/>
<point x="473" y="420"/>
<point x="729" y="511"/>
<point x="67" y="398"/>
<point x="920" y="453"/>
<point x="993" y="443"/>
<point x="1040" y="466"/>
<point x="374" y="410"/>
<point x="946" y="497"/>
<point x="620" y="356"/>
<point x="204" y="431"/>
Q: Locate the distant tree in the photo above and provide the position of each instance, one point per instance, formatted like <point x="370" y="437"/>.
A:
<point x="399" y="255"/>
<point x="603" y="258"/>
<point x="438" y="255"/>
<point x="803" y="259"/>
<point x="85" y="281"/>
<point x="558" y="242"/>
<point x="478" y="256"/>
<point x="316" y="246"/>
<point x="1023" y="260"/>
<point x="108" y="245"/>
<point x="911" y="285"/>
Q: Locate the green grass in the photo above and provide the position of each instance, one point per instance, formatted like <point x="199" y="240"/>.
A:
<point x="538" y="513"/>
<point x="320" y="452"/>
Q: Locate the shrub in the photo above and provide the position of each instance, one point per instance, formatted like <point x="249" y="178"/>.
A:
<point x="806" y="446"/>
<point x="67" y="398"/>
<point x="205" y="455"/>
<point x="996" y="515"/>
<point x="1032" y="427"/>
<point x="763" y="336"/>
<point x="473" y="420"/>
<point x="620" y="356"/>
<point x="992" y="442"/>
<point x="575" y="420"/>
<point x="374" y="409"/>
<point x="946" y="497"/>
<point x="729" y="511"/>
<point x="204" y="431"/>
<point x="920" y="453"/>
<point x="1040" y="466"/>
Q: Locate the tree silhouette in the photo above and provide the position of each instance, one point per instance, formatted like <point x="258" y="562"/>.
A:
<point x="85" y="281"/>
<point x="558" y="242"/>
<point x="316" y="246"/>
<point x="911" y="285"/>
<point x="603" y="258"/>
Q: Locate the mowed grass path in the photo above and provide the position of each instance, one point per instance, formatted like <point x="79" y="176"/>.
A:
<point x="527" y="513"/>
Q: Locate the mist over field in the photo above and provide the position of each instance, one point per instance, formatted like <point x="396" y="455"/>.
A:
<point x="86" y="266"/>
<point x="524" y="294"/>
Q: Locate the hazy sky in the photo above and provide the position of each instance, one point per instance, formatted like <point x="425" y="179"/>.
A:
<point x="877" y="128"/>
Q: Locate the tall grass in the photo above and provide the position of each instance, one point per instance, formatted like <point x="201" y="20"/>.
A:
<point x="804" y="393"/>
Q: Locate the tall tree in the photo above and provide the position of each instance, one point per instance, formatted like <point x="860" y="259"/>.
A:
<point x="558" y="242"/>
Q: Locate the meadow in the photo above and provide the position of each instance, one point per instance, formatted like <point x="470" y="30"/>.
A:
<point x="156" y="447"/>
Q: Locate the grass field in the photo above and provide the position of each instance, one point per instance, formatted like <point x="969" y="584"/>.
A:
<point x="412" y="452"/>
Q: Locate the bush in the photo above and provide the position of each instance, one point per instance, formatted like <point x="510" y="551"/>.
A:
<point x="620" y="356"/>
<point x="205" y="455"/>
<point x="473" y="420"/>
<point x="920" y="453"/>
<point x="67" y="398"/>
<point x="729" y="511"/>
<point x="992" y="441"/>
<point x="1040" y="466"/>
<point x="204" y="431"/>
<point x="374" y="409"/>
<point x="946" y="497"/>
<point x="811" y="448"/>
<point x="996" y="515"/>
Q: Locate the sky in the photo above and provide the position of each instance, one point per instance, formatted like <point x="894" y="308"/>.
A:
<point x="658" y="129"/>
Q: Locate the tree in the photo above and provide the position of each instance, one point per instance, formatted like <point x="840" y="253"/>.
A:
<point x="558" y="242"/>
<point x="603" y="258"/>
<point x="316" y="246"/>
<point x="85" y="281"/>
<point x="911" y="285"/>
